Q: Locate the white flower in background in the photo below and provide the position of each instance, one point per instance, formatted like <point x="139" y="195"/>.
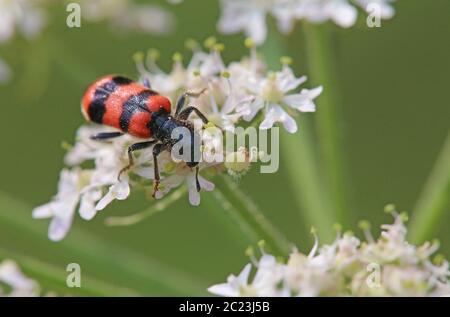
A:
<point x="387" y="11"/>
<point x="340" y="12"/>
<point x="24" y="16"/>
<point x="16" y="282"/>
<point x="250" y="16"/>
<point x="342" y="269"/>
<point x="124" y="13"/>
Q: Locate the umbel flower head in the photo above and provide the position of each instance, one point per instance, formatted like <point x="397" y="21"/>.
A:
<point x="388" y="266"/>
<point x="239" y="94"/>
<point x="250" y="15"/>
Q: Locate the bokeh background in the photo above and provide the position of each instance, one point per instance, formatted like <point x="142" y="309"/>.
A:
<point x="393" y="82"/>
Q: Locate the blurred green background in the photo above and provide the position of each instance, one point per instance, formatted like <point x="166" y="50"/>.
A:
<point x="395" y="109"/>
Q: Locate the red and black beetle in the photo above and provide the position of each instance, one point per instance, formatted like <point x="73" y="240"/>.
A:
<point x="138" y="110"/>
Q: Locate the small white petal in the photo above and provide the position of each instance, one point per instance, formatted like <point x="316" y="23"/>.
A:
<point x="256" y="27"/>
<point x="245" y="273"/>
<point x="267" y="123"/>
<point x="206" y="185"/>
<point x="252" y="109"/>
<point x="304" y="100"/>
<point x="223" y="289"/>
<point x="287" y="80"/>
<point x="59" y="227"/>
<point x="44" y="211"/>
<point x="122" y="190"/>
<point x="277" y="114"/>
<point x="88" y="201"/>
<point x="194" y="195"/>
<point x="105" y="201"/>
<point x="343" y="14"/>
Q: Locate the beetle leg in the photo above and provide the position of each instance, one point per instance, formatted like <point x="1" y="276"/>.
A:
<point x="131" y="149"/>
<point x="197" y="183"/>
<point x="105" y="135"/>
<point x="182" y="101"/>
<point x="157" y="149"/>
<point x="187" y="112"/>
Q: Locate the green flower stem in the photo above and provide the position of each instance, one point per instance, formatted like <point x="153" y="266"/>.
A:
<point x="153" y="209"/>
<point x="235" y="225"/>
<point x="123" y="266"/>
<point x="248" y="217"/>
<point x="322" y="70"/>
<point x="303" y="171"/>
<point x="301" y="162"/>
<point x="54" y="279"/>
<point x="434" y="200"/>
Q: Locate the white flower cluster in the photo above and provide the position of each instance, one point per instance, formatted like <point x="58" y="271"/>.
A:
<point x="250" y="15"/>
<point x="389" y="266"/>
<point x="15" y="282"/>
<point x="239" y="90"/>
<point x="232" y="94"/>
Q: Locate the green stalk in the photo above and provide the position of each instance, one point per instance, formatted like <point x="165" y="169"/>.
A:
<point x="322" y="71"/>
<point x="153" y="209"/>
<point x="304" y="177"/>
<point x="300" y="160"/>
<point x="145" y="275"/>
<point x="248" y="217"/>
<point x="235" y="224"/>
<point x="434" y="200"/>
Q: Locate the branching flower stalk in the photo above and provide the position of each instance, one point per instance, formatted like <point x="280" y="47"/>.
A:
<point x="234" y="96"/>
<point x="387" y="266"/>
<point x="304" y="173"/>
<point x="322" y="67"/>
